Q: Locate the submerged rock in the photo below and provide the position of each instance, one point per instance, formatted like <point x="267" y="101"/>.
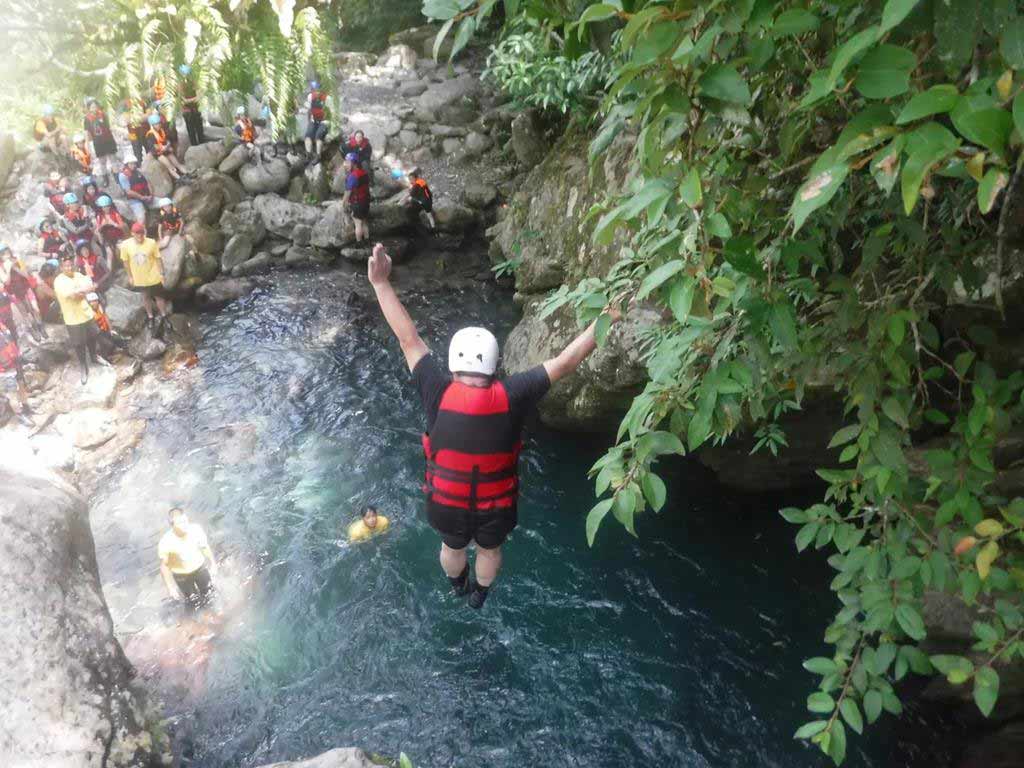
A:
<point x="238" y="250"/>
<point x="70" y="697"/>
<point x="347" y="757"/>
<point x="223" y="291"/>
<point x="258" y="264"/>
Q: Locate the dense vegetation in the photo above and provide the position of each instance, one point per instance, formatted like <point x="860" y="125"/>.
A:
<point x="823" y="195"/>
<point x="115" y="50"/>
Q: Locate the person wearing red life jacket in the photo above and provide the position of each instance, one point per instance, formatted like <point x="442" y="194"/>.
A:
<point x="51" y="240"/>
<point x="54" y="190"/>
<point x="474" y="433"/>
<point x="190" y="106"/>
<point x="12" y="376"/>
<point x="316" y="128"/>
<point x="111" y="227"/>
<point x="169" y="222"/>
<point x="357" y="196"/>
<point x="92" y="265"/>
<point x="360" y="145"/>
<point x="19" y="285"/>
<point x="90" y="193"/>
<point x="135" y="187"/>
<point x="420" y="197"/>
<point x="78" y="220"/>
<point x="97" y="126"/>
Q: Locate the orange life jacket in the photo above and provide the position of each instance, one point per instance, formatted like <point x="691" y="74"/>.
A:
<point x="82" y="157"/>
<point x="159" y="138"/>
<point x="159" y="89"/>
<point x="247" y="131"/>
<point x="420" y="189"/>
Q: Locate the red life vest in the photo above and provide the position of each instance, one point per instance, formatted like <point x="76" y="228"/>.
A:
<point x="317" y="100"/>
<point x="246" y="131"/>
<point x="472" y="451"/>
<point x="56" y="197"/>
<point x="421" y="190"/>
<point x="136" y="181"/>
<point x="79" y="225"/>
<point x="170" y="221"/>
<point x="9" y="352"/>
<point x="360" y="194"/>
<point x="111" y="226"/>
<point x="102" y="321"/>
<point x="52" y="241"/>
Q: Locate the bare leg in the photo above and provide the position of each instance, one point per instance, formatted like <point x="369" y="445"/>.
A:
<point x="165" y="161"/>
<point x="163" y="306"/>
<point x="308" y="144"/>
<point x="453" y="561"/>
<point x="488" y="563"/>
<point x="147" y="304"/>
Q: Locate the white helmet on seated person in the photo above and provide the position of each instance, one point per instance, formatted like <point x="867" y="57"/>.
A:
<point x="473" y="350"/>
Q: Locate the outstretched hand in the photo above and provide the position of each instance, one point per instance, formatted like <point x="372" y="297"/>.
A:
<point x="378" y="268"/>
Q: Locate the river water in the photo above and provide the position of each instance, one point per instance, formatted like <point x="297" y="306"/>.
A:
<point x="681" y="647"/>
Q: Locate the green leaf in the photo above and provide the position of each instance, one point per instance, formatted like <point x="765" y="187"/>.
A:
<point x="594" y="518"/>
<point x="659" y="276"/>
<point x="987" y="556"/>
<point x="849" y="50"/>
<point x="988" y="127"/>
<point x="805" y="536"/>
<point x="820" y="703"/>
<point x="986" y="689"/>
<point x="956" y="32"/>
<point x="872" y="705"/>
<point x="601" y="329"/>
<point x="937" y="100"/>
<point x="681" y="298"/>
<point x="897" y="329"/>
<point x="654" y="491"/>
<point x="598" y="12"/>
<point x="851" y="714"/>
<point x="741" y="254"/>
<point x="820" y="666"/>
<point x="910" y="621"/>
<point x="993" y="182"/>
<point x="894" y="13"/>
<point x="658" y="444"/>
<point x="655" y="42"/>
<point x="718" y="226"/>
<point x="440" y="9"/>
<point x="928" y="145"/>
<point x="690" y="190"/>
<point x="698" y="429"/>
<point x="782" y="321"/>
<point x="726" y="84"/>
<point x="989" y="528"/>
<point x="845" y="435"/>
<point x="441" y="35"/>
<point x="817" y="191"/>
<point x="624" y="507"/>
<point x="813" y="728"/>
<point x="462" y="35"/>
<point x="837" y="744"/>
<point x="795" y="21"/>
<point x="611" y="128"/>
<point x="404" y="761"/>
<point x="1011" y="43"/>
<point x="892" y="409"/>
<point x="885" y="72"/>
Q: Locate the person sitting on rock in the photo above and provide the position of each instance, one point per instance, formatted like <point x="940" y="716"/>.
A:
<point x="12" y="375"/>
<point x="136" y="187"/>
<point x="110" y="226"/>
<point x="368" y="525"/>
<point x="51" y="240"/>
<point x="71" y="288"/>
<point x="159" y="145"/>
<point x="316" y="130"/>
<point x="92" y="265"/>
<point x="360" y="146"/>
<point x="46" y="299"/>
<point x="135" y="125"/>
<point x="81" y="155"/>
<point x="187" y="564"/>
<point x="246" y="132"/>
<point x="141" y="258"/>
<point x="49" y="133"/>
<point x="18" y="284"/>
<point x="107" y="336"/>
<point x="54" y="190"/>
<point x="357" y="196"/>
<point x="97" y="126"/>
<point x="90" y="192"/>
<point x="190" y="106"/>
<point x="473" y="440"/>
<point x="78" y="220"/>
<point x="420" y="197"/>
<point x="169" y="223"/>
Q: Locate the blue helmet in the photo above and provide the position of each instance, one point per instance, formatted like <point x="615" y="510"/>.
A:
<point x="5" y="248"/>
<point x="154" y="119"/>
<point x="103" y="201"/>
<point x="88" y="181"/>
<point x="185" y="70"/>
<point x="47" y="110"/>
<point x="70" y="198"/>
<point x="314" y="85"/>
<point x="79" y="244"/>
<point x="352" y="157"/>
<point x="396" y="173"/>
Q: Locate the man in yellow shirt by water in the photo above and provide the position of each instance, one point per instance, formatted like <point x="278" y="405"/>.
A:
<point x="371" y="524"/>
<point x="141" y="258"/>
<point x="71" y="288"/>
<point x="184" y="553"/>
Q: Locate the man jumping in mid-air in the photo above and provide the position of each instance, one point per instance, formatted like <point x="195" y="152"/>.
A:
<point x="472" y="445"/>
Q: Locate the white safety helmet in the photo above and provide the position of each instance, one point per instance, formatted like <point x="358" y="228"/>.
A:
<point x="473" y="350"/>
<point x="129" y="157"/>
<point x="240" y="112"/>
<point x="78" y="138"/>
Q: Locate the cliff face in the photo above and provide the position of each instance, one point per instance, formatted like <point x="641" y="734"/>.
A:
<point x="68" y="699"/>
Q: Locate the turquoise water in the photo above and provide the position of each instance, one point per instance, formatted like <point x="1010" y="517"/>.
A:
<point x="679" y="648"/>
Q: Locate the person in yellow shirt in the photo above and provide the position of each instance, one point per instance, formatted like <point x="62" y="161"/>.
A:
<point x="187" y="564"/>
<point x="141" y="258"/>
<point x="71" y="288"/>
<point x="369" y="525"/>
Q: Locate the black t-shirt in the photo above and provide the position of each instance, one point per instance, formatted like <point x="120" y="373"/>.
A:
<point x="524" y="389"/>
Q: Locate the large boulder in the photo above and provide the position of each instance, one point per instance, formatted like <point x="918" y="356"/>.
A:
<point x="8" y="152"/>
<point x="464" y="89"/>
<point x="452" y="217"/>
<point x="335" y="229"/>
<point x="208" y="155"/>
<point x="223" y="291"/>
<point x="244" y="219"/>
<point x="317" y="182"/>
<point x="272" y="176"/>
<point x="237" y="251"/>
<point x="479" y="195"/>
<point x="257" y="265"/>
<point x="379" y="128"/>
<point x="209" y="194"/>
<point x="200" y="267"/>
<point x="281" y="216"/>
<point x="70" y="698"/>
<point x="173" y="257"/>
<point x="421" y="39"/>
<point x="160" y="182"/>
<point x="297" y="255"/>
<point x="234" y="160"/>
<point x="204" y="238"/>
<point x="398" y="57"/>
<point x="124" y="308"/>
<point x="528" y="139"/>
<point x="146" y="346"/>
<point x="478" y="143"/>
<point x="347" y="757"/>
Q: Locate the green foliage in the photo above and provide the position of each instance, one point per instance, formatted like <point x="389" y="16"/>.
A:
<point x="506" y="268"/>
<point x="814" y="188"/>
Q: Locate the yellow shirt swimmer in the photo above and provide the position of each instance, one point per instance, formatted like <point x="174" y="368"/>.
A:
<point x="371" y="524"/>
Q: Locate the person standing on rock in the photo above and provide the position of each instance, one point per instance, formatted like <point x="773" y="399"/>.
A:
<point x="71" y="288"/>
<point x="420" y="197"/>
<point x="12" y="376"/>
<point x="316" y="112"/>
<point x="141" y="258"/>
<point x="136" y="188"/>
<point x="160" y="146"/>
<point x="357" y="196"/>
<point x="473" y="438"/>
<point x="16" y="282"/>
<point x="187" y="564"/>
<point x="103" y="143"/>
<point x="246" y="132"/>
<point x="190" y="106"/>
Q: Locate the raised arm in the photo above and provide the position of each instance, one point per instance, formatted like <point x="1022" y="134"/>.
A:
<point x="378" y="270"/>
<point x="573" y="355"/>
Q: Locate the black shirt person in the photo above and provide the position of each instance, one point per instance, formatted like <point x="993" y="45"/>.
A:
<point x="475" y="422"/>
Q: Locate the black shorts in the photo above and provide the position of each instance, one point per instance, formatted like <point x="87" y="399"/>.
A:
<point x="459" y="527"/>
<point x="360" y="211"/>
<point x="157" y="290"/>
<point x="316" y="130"/>
<point x="196" y="586"/>
<point x="80" y="333"/>
<point x="424" y="205"/>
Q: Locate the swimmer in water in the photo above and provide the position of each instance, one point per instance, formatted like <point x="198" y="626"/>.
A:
<point x="184" y="553"/>
<point x="369" y="525"/>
